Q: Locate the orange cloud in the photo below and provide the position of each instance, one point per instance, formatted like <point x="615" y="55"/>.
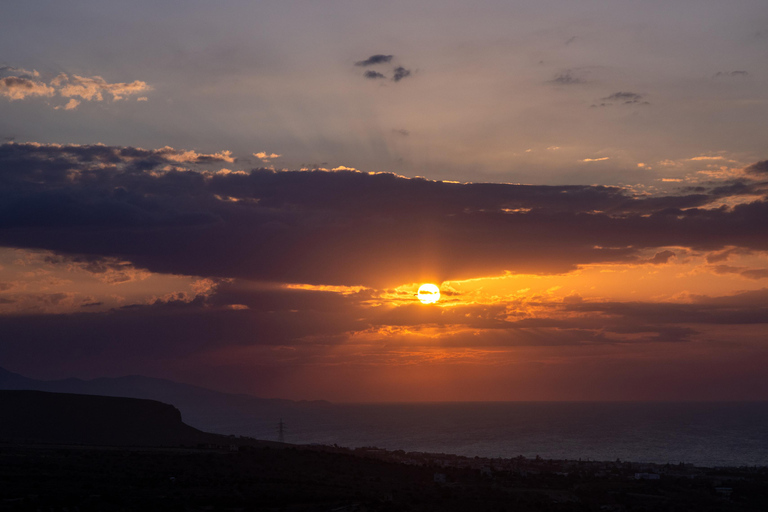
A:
<point x="263" y="155"/>
<point x="23" y="84"/>
<point x="94" y="88"/>
<point x="16" y="88"/>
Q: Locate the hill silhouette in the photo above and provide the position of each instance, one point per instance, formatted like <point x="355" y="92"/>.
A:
<point x="206" y="409"/>
<point x="61" y="418"/>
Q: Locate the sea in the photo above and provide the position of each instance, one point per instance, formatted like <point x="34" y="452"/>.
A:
<point x="702" y="433"/>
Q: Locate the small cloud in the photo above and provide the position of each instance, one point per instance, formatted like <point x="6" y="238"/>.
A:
<point x="18" y="88"/>
<point x="699" y="158"/>
<point x="660" y="258"/>
<point x="71" y="104"/>
<point x="631" y="96"/>
<point x="732" y="73"/>
<point x="224" y="172"/>
<point x="374" y="59"/>
<point x="263" y="155"/>
<point x="553" y="148"/>
<point x="725" y="254"/>
<point x="569" y="41"/>
<point x="19" y="72"/>
<point x="626" y="98"/>
<point x="404" y="133"/>
<point x="169" y="154"/>
<point x="373" y="75"/>
<point x="596" y="159"/>
<point x="143" y="98"/>
<point x="566" y="78"/>
<point x="94" y="88"/>
<point x="400" y="73"/>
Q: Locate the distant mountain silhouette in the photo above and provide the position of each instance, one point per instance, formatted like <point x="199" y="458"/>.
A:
<point x="61" y="418"/>
<point x="208" y="410"/>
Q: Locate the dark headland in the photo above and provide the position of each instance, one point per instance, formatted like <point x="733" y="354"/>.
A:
<point x="64" y="418"/>
<point x="68" y="452"/>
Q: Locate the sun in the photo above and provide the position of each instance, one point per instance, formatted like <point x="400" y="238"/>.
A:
<point x="428" y="293"/>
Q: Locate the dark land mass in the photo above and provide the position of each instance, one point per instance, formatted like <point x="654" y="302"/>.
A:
<point x="62" y="418"/>
<point x="206" y="409"/>
<point x="294" y="478"/>
<point x="227" y="473"/>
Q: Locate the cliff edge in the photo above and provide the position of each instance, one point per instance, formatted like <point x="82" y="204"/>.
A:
<point x="62" y="418"/>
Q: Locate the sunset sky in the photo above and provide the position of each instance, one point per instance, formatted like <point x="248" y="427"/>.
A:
<point x="247" y="196"/>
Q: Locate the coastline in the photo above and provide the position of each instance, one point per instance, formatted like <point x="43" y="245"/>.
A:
<point x="254" y="475"/>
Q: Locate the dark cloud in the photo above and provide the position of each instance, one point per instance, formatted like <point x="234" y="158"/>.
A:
<point x="731" y="73"/>
<point x="11" y="70"/>
<point x="566" y="78"/>
<point x="749" y="273"/>
<point x="725" y="254"/>
<point x="18" y="72"/>
<point x="757" y="273"/>
<point x="624" y="98"/>
<point x="660" y="258"/>
<point x="741" y="309"/>
<point x="403" y="132"/>
<point x="544" y="329"/>
<point x="337" y="227"/>
<point x="400" y="73"/>
<point x="760" y="167"/>
<point x="375" y="59"/>
<point x="373" y="75"/>
<point x="166" y="332"/>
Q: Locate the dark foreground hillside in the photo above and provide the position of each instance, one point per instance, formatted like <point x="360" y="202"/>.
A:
<point x="78" y="453"/>
<point x="205" y="409"/>
<point x="80" y="479"/>
<point x="40" y="417"/>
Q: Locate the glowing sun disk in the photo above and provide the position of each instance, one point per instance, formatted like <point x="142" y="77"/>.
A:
<point x="428" y="293"/>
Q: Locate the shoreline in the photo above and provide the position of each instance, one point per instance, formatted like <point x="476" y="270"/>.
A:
<point x="256" y="475"/>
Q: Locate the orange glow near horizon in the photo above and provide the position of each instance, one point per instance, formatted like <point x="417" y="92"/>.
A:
<point x="510" y="336"/>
